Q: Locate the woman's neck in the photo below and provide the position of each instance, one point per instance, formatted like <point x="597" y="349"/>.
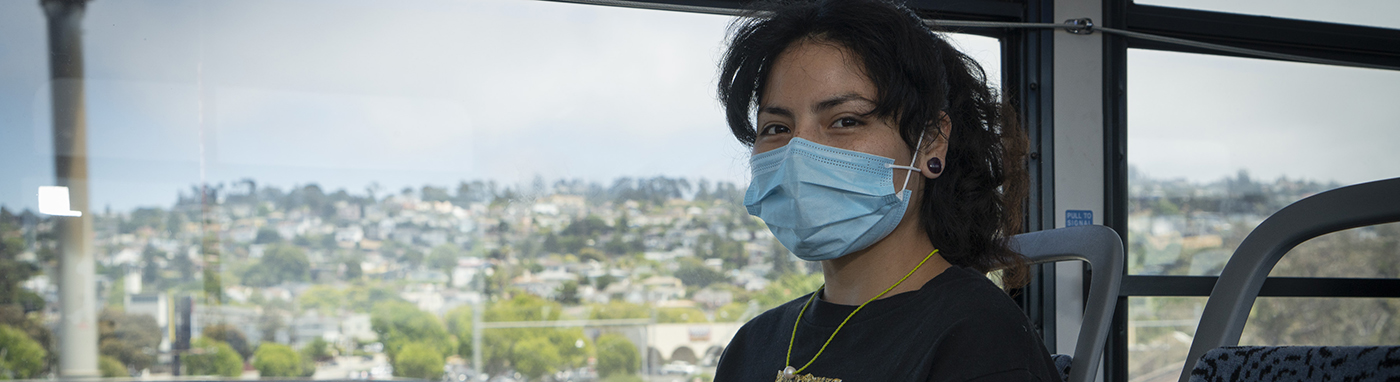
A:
<point x="859" y="276"/>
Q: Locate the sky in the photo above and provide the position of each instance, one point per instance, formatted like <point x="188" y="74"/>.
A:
<point x="350" y="93"/>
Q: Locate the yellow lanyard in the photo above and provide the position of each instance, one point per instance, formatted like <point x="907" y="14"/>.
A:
<point x="789" y="372"/>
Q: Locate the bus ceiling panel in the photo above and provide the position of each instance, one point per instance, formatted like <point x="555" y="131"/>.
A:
<point x="986" y="10"/>
<point x="957" y="10"/>
<point x="717" y="7"/>
<point x="1300" y="37"/>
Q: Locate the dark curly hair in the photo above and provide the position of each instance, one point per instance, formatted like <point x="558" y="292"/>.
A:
<point x="971" y="209"/>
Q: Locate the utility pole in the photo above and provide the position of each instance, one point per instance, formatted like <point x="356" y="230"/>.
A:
<point x="480" y="278"/>
<point x="78" y="293"/>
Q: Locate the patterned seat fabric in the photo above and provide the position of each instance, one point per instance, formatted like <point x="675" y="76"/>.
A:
<point x="1299" y="363"/>
<point x="1062" y="362"/>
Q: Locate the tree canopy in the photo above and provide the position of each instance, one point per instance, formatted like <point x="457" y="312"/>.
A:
<point x="129" y="338"/>
<point x="399" y="324"/>
<point x="213" y="358"/>
<point x="277" y="360"/>
<point x="23" y="358"/>
<point x="280" y="263"/>
<point x="419" y="360"/>
<point x="617" y="355"/>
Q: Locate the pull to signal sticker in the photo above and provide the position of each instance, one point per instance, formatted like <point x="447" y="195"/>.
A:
<point x="1075" y="218"/>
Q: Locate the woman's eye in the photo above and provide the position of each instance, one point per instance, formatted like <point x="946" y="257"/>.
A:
<point x="846" y="122"/>
<point x="773" y="129"/>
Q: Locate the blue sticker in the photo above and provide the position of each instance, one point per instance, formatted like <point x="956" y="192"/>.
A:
<point x="1078" y="217"/>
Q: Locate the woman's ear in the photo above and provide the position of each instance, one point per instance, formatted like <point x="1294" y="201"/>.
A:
<point x="936" y="152"/>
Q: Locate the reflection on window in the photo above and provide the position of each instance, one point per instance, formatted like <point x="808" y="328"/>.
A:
<point x="1217" y="144"/>
<point x="1379" y="13"/>
<point x="400" y="191"/>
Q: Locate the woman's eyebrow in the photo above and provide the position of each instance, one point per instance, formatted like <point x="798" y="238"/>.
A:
<point x="840" y="99"/>
<point x="776" y="111"/>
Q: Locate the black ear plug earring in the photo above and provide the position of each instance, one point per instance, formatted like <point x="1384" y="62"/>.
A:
<point x="935" y="165"/>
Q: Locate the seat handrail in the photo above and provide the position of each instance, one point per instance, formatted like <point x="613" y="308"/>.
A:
<point x="1102" y="248"/>
<point x="1230" y="301"/>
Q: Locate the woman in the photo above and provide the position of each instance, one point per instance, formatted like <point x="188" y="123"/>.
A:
<point x="879" y="151"/>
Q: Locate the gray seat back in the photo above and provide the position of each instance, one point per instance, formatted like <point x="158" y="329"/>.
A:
<point x="1103" y="249"/>
<point x="1228" y="308"/>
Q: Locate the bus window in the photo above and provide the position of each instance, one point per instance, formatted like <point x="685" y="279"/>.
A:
<point x="1216" y="145"/>
<point x="1214" y="152"/>
<point x="516" y="189"/>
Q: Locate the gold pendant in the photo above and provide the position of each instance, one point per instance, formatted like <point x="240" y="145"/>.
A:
<point x="805" y="378"/>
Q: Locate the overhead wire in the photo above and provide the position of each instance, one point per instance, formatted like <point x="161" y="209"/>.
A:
<point x="1082" y="26"/>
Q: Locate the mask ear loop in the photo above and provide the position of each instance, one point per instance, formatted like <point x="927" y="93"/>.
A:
<point x="910" y="167"/>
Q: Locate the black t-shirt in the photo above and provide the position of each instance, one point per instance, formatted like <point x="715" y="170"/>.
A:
<point x="958" y="327"/>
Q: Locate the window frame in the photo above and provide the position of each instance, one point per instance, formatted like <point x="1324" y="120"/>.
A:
<point x="1326" y="40"/>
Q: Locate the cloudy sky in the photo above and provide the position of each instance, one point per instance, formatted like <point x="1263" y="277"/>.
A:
<point x="348" y="93"/>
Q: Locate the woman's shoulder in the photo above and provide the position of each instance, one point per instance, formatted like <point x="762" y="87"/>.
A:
<point x="980" y="332"/>
<point x="758" y="340"/>
<point x="972" y="295"/>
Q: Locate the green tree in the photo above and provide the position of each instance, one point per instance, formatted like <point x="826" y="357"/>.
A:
<point x="619" y="310"/>
<point x="500" y="345"/>
<point x="111" y="367"/>
<point x="267" y="235"/>
<point x="318" y="350"/>
<point x="419" y="360"/>
<point x="232" y="336"/>
<point x="312" y="353"/>
<point x="277" y="360"/>
<point x="787" y="288"/>
<point x="444" y="257"/>
<point x="12" y="271"/>
<point x="210" y="357"/>
<point x="783" y="260"/>
<point x="568" y="292"/>
<point x="535" y="357"/>
<point x="280" y="263"/>
<point x="411" y="257"/>
<point x="732" y="312"/>
<point x="129" y="338"/>
<point x="399" y="324"/>
<point x="34" y="327"/>
<point x="23" y="358"/>
<point x="695" y="274"/>
<point x="617" y="355"/>
<point x="324" y="298"/>
<point x="459" y="323"/>
<point x="680" y="315"/>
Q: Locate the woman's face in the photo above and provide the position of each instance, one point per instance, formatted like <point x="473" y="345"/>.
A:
<point x="817" y="91"/>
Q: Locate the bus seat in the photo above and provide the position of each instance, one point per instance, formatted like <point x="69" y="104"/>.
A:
<point x="1103" y="249"/>
<point x="1227" y="310"/>
<point x="1298" y="363"/>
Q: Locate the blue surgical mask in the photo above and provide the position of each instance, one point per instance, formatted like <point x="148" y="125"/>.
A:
<point x="823" y="202"/>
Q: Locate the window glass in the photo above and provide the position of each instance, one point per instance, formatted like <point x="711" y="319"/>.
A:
<point x="1366" y="252"/>
<point x="1160" y="330"/>
<point x="1277" y="321"/>
<point x="1378" y="13"/>
<point x="1217" y="144"/>
<point x="549" y="186"/>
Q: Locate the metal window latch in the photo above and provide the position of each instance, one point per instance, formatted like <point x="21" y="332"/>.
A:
<point x="1080" y="26"/>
